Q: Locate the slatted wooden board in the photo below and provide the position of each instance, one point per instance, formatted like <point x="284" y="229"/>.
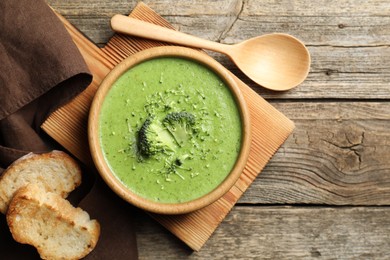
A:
<point x="68" y="126"/>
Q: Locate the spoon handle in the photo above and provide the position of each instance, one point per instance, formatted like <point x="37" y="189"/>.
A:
<point x="135" y="27"/>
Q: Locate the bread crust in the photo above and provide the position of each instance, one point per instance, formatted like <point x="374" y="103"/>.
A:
<point x="55" y="172"/>
<point x="51" y="224"/>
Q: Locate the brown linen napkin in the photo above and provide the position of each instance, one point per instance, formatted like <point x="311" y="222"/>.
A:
<point x="40" y="70"/>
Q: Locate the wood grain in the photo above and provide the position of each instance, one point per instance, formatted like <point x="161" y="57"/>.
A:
<point x="68" y="124"/>
<point x="281" y="233"/>
<point x="338" y="154"/>
<point x="340" y="36"/>
<point x="346" y="94"/>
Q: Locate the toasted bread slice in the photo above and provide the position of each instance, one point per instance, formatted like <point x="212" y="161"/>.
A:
<point x="51" y="224"/>
<point x="54" y="171"/>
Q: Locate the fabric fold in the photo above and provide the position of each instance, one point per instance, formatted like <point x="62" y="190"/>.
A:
<point x="37" y="54"/>
<point x="40" y="70"/>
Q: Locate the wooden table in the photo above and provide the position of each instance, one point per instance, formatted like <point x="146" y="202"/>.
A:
<point x="326" y="192"/>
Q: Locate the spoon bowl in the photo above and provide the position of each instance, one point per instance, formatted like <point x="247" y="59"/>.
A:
<point x="275" y="61"/>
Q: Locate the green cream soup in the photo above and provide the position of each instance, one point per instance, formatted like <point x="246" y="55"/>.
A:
<point x="188" y="167"/>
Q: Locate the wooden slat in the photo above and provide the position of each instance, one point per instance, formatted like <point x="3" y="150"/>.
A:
<point x="340" y="35"/>
<point x="67" y="125"/>
<point x="338" y="154"/>
<point x="281" y="233"/>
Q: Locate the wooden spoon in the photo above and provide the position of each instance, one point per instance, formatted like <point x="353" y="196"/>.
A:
<point x="275" y="61"/>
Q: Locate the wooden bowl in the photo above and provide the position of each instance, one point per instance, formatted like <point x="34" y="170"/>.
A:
<point x="99" y="159"/>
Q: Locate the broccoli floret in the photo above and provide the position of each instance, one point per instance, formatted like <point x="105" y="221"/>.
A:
<point x="153" y="138"/>
<point x="180" y="125"/>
